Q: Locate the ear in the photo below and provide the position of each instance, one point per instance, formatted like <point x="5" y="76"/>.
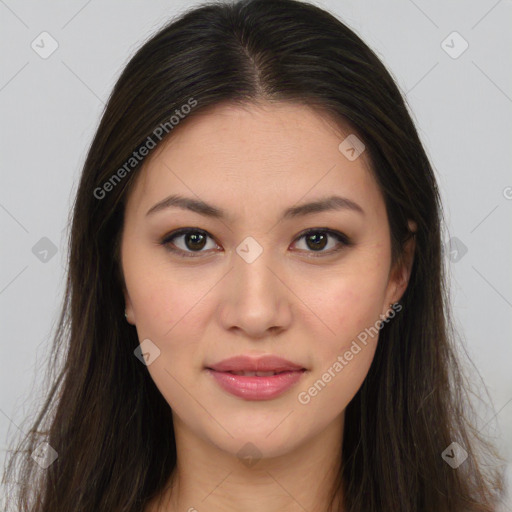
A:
<point x="128" y="307"/>
<point x="401" y="272"/>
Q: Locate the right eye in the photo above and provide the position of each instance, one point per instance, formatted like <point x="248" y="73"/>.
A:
<point x="193" y="241"/>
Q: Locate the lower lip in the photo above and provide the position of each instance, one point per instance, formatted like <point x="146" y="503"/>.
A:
<point x="256" y="388"/>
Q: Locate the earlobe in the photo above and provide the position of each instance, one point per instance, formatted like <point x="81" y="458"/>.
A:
<point x="128" y="311"/>
<point x="129" y="316"/>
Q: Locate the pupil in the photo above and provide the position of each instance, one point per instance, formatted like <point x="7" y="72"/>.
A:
<point x="314" y="237"/>
<point x="194" y="237"/>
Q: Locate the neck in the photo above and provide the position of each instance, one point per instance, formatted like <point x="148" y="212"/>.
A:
<point x="208" y="478"/>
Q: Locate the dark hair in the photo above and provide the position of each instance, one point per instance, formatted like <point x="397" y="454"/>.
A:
<point x="105" y="417"/>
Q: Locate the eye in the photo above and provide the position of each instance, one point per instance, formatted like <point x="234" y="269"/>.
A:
<point x="317" y="239"/>
<point x="194" y="240"/>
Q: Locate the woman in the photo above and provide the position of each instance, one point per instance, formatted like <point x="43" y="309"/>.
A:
<point x="256" y="299"/>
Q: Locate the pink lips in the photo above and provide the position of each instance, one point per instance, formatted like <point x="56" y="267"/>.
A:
<point x="253" y="387"/>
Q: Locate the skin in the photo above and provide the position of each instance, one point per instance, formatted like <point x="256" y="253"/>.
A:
<point x="255" y="161"/>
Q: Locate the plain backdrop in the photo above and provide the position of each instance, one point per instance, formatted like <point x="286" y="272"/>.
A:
<point x="448" y="58"/>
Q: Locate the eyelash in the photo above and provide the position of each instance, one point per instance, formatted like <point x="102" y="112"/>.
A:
<point x="340" y="237"/>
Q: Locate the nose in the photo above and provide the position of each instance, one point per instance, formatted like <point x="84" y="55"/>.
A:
<point x="256" y="299"/>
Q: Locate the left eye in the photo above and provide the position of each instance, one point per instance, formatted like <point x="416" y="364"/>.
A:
<point x="195" y="240"/>
<point x="317" y="239"/>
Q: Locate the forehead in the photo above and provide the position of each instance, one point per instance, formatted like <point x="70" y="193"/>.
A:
<point x="254" y="155"/>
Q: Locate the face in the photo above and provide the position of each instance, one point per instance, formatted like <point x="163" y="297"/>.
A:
<point x="256" y="281"/>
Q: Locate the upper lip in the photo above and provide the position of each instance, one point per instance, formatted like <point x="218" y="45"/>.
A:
<point x="247" y="363"/>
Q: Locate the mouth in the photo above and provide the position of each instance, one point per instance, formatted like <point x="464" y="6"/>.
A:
<point x="256" y="374"/>
<point x="254" y="385"/>
<point x="251" y="377"/>
<point x="265" y="365"/>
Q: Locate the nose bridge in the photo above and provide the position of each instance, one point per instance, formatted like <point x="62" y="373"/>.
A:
<point x="256" y="298"/>
<point x="252" y="264"/>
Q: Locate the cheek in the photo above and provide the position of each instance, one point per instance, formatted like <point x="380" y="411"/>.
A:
<point x="344" y="303"/>
<point x="167" y="312"/>
<point x="348" y="304"/>
<point x="330" y="390"/>
<point x="170" y="310"/>
<point x="163" y="300"/>
<point x="344" y="351"/>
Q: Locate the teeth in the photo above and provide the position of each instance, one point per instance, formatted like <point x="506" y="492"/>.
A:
<point x="255" y="374"/>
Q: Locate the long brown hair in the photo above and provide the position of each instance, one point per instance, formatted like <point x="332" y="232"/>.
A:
<point x="104" y="416"/>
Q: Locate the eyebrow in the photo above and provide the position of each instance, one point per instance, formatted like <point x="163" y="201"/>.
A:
<point x="208" y="210"/>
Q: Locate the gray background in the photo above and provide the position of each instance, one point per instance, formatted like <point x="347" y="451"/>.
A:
<point x="51" y="107"/>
